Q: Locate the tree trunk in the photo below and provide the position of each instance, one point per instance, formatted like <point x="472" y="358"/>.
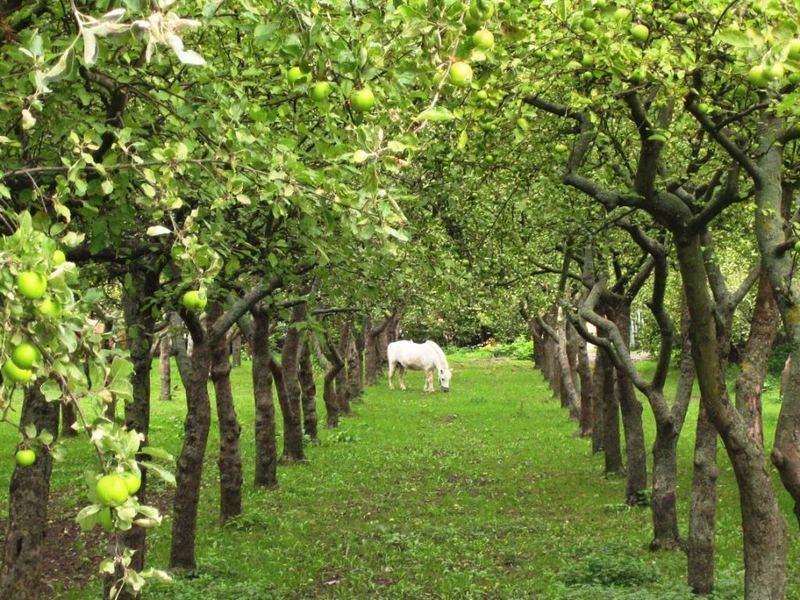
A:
<point x="236" y="350"/>
<point x="139" y="330"/>
<point x="587" y="388"/>
<point x="700" y="544"/>
<point x="342" y="389"/>
<point x="635" y="452"/>
<point x="165" y="375"/>
<point x="601" y="370"/>
<point x="266" y="467"/>
<point x="189" y="468"/>
<point x="610" y="413"/>
<point x="308" y="390"/>
<point x="20" y="577"/>
<point x="292" y="424"/>
<point x="763" y="525"/>
<point x="230" y="459"/>
<point x="335" y="364"/>
<point x="538" y="337"/>
<point x="372" y="353"/>
<point x="569" y="394"/>
<point x="69" y="420"/>
<point x="290" y="355"/>
<point x="665" y="468"/>
<point x="355" y="372"/>
<point x="755" y="360"/>
<point x="665" y="479"/>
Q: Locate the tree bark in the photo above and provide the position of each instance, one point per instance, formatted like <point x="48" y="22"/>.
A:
<point x="329" y="395"/>
<point x="342" y="389"/>
<point x="20" y="577"/>
<point x="569" y="393"/>
<point x="755" y="360"/>
<point x="308" y="391"/>
<point x="165" y="375"/>
<point x="372" y="353"/>
<point x="610" y="414"/>
<point x="702" y="517"/>
<point x="140" y="326"/>
<point x="763" y="525"/>
<point x="355" y="371"/>
<point x="236" y="350"/>
<point x="586" y="387"/>
<point x="665" y="466"/>
<point x="266" y="461"/>
<point x="230" y="459"/>
<point x="631" y="408"/>
<point x="289" y="357"/>
<point x="189" y="468"/>
<point x="69" y="420"/>
<point x="292" y="423"/>
<point x="599" y="374"/>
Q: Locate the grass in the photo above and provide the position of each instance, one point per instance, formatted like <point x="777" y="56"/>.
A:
<point x="481" y="493"/>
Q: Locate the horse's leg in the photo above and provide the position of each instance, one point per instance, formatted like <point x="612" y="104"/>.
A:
<point x="391" y="374"/>
<point x="430" y="381"/>
<point x="401" y="373"/>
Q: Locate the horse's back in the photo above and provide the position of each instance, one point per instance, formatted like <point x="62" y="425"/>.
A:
<point x="409" y="354"/>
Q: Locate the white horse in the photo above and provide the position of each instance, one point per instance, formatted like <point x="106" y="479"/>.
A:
<point x="404" y="355"/>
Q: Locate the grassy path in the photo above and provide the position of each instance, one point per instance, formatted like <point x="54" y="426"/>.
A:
<point x="479" y="493"/>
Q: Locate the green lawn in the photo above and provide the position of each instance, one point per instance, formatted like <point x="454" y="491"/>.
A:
<point x="480" y="493"/>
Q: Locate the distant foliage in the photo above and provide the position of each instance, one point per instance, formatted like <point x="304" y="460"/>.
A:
<point x="520" y="349"/>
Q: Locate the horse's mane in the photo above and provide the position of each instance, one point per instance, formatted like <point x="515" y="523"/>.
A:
<point x="439" y="351"/>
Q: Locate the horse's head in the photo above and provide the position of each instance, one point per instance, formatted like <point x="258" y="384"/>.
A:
<point x="444" y="379"/>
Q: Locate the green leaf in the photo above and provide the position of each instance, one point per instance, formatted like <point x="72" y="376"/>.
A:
<point x="156" y="452"/>
<point x="120" y="384"/>
<point x="436" y="114"/>
<point x="359" y="156"/>
<point x="160" y="471"/>
<point x="735" y="38"/>
<point x="156" y="230"/>
<point x="51" y="390"/>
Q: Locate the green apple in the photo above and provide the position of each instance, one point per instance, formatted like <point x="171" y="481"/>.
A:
<point x="588" y="24"/>
<point x="460" y="74"/>
<point x="561" y="148"/>
<point x="483" y="39"/>
<point x="295" y="74"/>
<point x="59" y="257"/>
<point x="588" y="60"/>
<point x="132" y="482"/>
<point x="363" y="99"/>
<point x="621" y="14"/>
<point x="49" y="308"/>
<point x="639" y="75"/>
<point x="757" y="75"/>
<point x="775" y="71"/>
<point x="111" y="490"/>
<point x="25" y="355"/>
<point x="703" y="108"/>
<point x="480" y="10"/>
<point x="25" y="458"/>
<point x="794" y="49"/>
<point x="194" y="300"/>
<point x="13" y="373"/>
<point x="482" y="95"/>
<point x="31" y="284"/>
<point x="320" y="90"/>
<point x="640" y="32"/>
